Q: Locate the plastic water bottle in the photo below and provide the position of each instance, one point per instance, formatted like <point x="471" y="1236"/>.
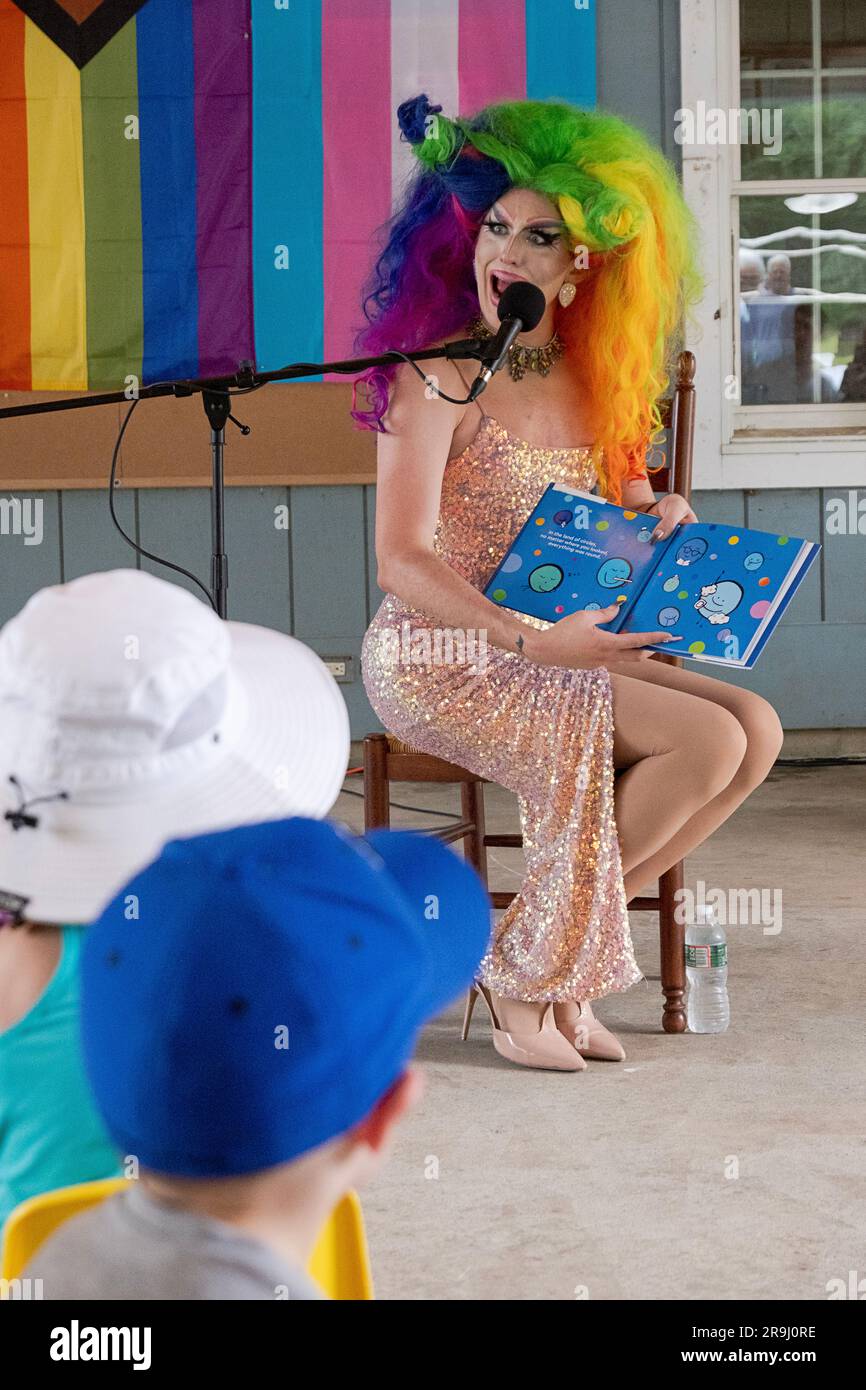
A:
<point x="707" y="972"/>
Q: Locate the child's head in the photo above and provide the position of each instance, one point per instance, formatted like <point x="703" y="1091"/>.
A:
<point x="251" y="1001"/>
<point x="131" y="714"/>
<point x="308" y="1183"/>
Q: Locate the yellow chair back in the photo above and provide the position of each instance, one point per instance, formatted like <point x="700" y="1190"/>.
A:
<point x="340" y="1263"/>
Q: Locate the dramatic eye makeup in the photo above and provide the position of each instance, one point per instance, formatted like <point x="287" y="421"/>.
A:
<point x="545" y="238"/>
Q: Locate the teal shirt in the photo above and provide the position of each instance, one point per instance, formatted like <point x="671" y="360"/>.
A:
<point x="50" y="1133"/>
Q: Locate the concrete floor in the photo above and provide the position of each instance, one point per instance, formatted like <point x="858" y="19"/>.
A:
<point x="703" y="1167"/>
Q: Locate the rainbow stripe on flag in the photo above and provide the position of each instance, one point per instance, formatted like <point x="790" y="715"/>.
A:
<point x="204" y="189"/>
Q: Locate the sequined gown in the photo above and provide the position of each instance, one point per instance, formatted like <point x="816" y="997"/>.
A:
<point x="544" y="732"/>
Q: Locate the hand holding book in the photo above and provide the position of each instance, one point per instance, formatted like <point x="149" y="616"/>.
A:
<point x="721" y="589"/>
<point x="672" y="510"/>
<point x="580" y="642"/>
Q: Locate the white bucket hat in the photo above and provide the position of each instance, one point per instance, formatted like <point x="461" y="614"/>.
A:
<point x="131" y="714"/>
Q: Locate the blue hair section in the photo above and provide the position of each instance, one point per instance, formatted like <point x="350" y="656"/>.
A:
<point x="422" y="285"/>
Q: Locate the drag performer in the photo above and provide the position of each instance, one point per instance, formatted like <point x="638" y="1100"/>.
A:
<point x="583" y="206"/>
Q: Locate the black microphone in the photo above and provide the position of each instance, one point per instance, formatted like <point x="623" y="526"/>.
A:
<point x="520" y="310"/>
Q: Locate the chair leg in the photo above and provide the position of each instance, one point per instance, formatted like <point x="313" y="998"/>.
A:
<point x="472" y="807"/>
<point x="377" y="806"/>
<point x="672" y="940"/>
<point x="475" y="853"/>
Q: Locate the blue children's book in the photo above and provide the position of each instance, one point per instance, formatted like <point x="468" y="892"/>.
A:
<point x="722" y="589"/>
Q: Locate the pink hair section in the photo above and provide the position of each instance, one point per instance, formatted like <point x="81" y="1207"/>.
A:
<point x="491" y="52"/>
<point x="442" y="300"/>
<point x="356" y="138"/>
<point x="468" y="221"/>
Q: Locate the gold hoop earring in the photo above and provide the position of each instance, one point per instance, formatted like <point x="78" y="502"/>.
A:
<point x="567" y="293"/>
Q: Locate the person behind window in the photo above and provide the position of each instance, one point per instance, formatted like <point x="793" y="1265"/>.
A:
<point x="853" y="387"/>
<point x="751" y="280"/>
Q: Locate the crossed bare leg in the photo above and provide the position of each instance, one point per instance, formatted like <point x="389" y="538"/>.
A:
<point x="691" y="749"/>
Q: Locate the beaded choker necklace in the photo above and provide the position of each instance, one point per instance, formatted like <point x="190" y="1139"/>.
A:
<point x="522" y="359"/>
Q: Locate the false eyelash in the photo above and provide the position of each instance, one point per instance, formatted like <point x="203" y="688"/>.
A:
<point x="549" y="237"/>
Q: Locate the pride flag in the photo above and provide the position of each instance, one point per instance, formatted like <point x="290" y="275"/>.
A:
<point x="185" y="184"/>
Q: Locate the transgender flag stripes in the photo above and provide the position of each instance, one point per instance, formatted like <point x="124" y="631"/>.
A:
<point x="206" y="188"/>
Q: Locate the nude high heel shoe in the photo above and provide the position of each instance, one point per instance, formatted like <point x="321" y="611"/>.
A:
<point x="584" y="1031"/>
<point x="546" y="1048"/>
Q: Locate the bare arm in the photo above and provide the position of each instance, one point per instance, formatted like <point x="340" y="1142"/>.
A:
<point x="637" y="495"/>
<point x="411" y="464"/>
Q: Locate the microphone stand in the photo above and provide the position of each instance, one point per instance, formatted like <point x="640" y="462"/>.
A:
<point x="217" y="394"/>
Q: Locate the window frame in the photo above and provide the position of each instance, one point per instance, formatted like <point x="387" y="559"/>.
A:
<point x="755" y="446"/>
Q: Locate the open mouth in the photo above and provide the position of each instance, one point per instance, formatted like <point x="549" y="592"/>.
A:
<point x="498" y="283"/>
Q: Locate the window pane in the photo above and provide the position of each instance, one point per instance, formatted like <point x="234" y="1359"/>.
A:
<point x="775" y="35"/>
<point x="843" y="34"/>
<point x="843" y="127"/>
<point x="788" y="111"/>
<point x="802" y="300"/>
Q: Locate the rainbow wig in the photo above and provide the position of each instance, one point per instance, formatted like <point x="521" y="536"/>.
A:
<point x="618" y="196"/>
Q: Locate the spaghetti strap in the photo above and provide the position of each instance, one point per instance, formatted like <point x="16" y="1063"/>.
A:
<point x="468" y="387"/>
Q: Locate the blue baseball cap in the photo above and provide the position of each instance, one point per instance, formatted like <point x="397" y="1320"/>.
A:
<point x="253" y="992"/>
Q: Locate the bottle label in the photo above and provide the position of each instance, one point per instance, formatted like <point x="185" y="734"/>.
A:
<point x="707" y="956"/>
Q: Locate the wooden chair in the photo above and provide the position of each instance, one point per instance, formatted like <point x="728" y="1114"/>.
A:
<point x="388" y="759"/>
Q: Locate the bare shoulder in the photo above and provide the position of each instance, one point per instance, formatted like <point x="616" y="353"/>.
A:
<point x="415" y="403"/>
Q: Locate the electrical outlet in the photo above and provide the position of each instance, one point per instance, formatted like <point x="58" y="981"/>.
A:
<point x="340" y="668"/>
